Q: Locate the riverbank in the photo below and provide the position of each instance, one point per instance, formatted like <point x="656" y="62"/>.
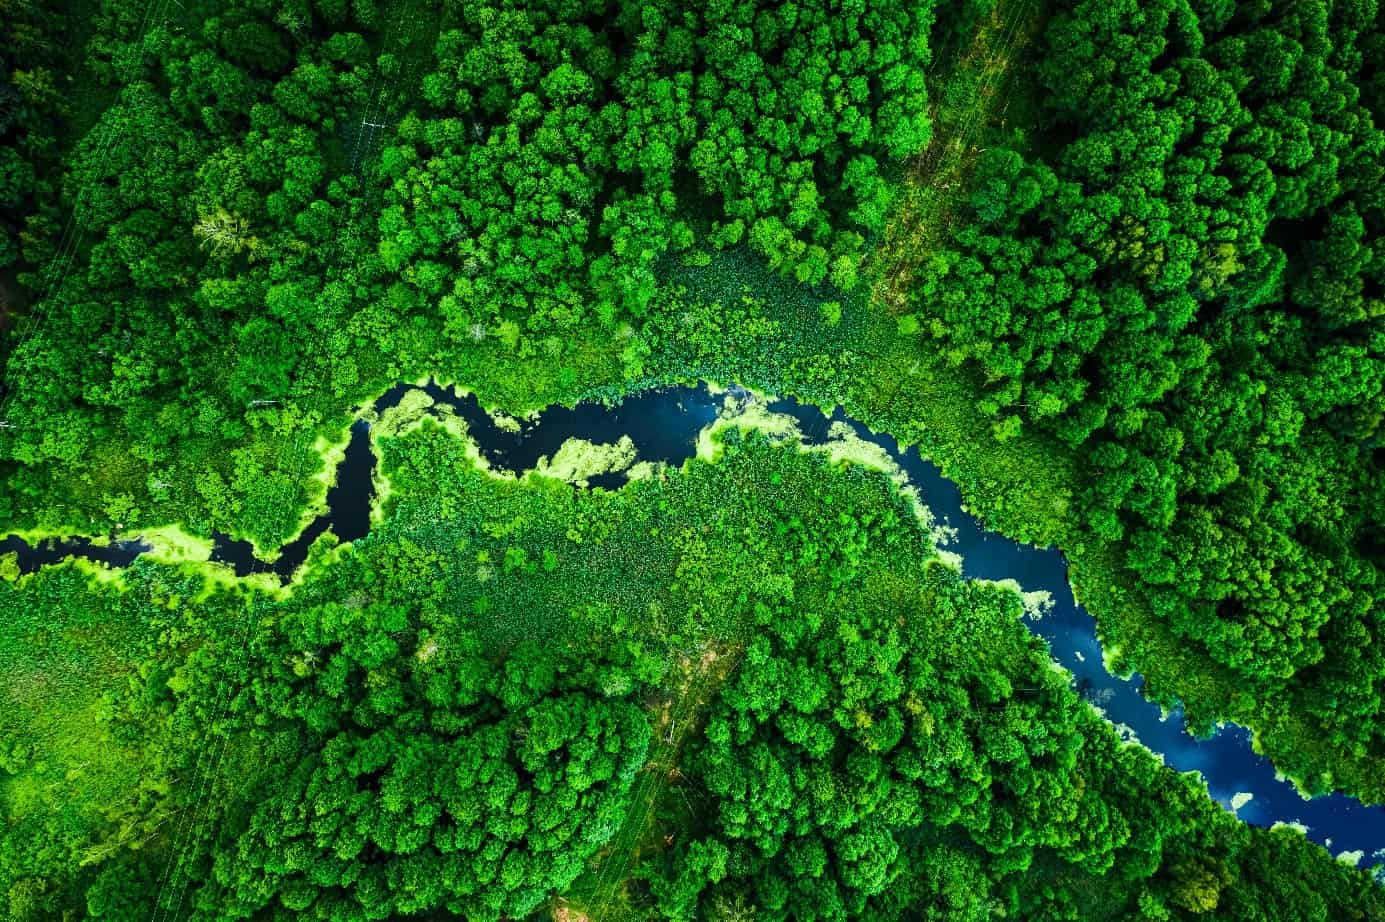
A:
<point x="670" y="427"/>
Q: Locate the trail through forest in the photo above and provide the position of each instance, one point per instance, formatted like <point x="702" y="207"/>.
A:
<point x="969" y="95"/>
<point x="674" y="720"/>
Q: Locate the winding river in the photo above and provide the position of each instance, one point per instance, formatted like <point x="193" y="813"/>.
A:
<point x="664" y="425"/>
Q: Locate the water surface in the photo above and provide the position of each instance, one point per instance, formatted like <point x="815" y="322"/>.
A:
<point x="664" y="425"/>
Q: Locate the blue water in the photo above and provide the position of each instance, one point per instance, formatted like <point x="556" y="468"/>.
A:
<point x="664" y="425"/>
<point x="56" y="550"/>
<point x="1226" y="760"/>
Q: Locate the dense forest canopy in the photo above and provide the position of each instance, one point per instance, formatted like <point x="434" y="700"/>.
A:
<point x="289" y="200"/>
<point x="791" y="707"/>
<point x="1116" y="265"/>
<point x="1187" y="284"/>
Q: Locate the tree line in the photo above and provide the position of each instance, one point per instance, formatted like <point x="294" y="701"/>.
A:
<point x="465" y="714"/>
<point x="1185" y="286"/>
<point x="287" y="207"/>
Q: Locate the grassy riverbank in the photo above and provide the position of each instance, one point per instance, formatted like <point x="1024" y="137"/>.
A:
<point x="688" y="573"/>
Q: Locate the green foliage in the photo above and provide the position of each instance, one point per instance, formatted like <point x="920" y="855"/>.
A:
<point x="32" y="105"/>
<point x="1184" y="288"/>
<point x="857" y="731"/>
<point x="430" y="776"/>
<point x="286" y="210"/>
<point x="1171" y="319"/>
<point x="548" y="151"/>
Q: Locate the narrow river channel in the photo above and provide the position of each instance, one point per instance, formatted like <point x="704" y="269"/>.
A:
<point x="664" y="425"/>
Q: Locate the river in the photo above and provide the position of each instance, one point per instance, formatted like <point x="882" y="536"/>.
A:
<point x="664" y="425"/>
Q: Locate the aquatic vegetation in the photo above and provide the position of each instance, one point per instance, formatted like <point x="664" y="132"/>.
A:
<point x="578" y="460"/>
<point x="281" y="637"/>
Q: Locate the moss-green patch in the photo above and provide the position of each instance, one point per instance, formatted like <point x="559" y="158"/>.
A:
<point x="578" y="460"/>
<point x="643" y="470"/>
<point x="37" y="535"/>
<point x="72" y="638"/>
<point x="99" y="572"/>
<point x="749" y="414"/>
<point x="844" y="446"/>
<point x="1037" y="602"/>
<point x="505" y="422"/>
<point x="331" y="452"/>
<point x="412" y="407"/>
<point x="173" y="545"/>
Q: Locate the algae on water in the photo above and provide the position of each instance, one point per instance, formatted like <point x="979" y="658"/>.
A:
<point x="578" y="460"/>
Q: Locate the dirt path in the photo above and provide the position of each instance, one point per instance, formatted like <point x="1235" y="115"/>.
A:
<point x="970" y="100"/>
<point x="600" y="895"/>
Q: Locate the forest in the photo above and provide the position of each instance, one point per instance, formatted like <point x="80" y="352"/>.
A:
<point x="456" y="715"/>
<point x="1113" y="267"/>
<point x="1184" y="285"/>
